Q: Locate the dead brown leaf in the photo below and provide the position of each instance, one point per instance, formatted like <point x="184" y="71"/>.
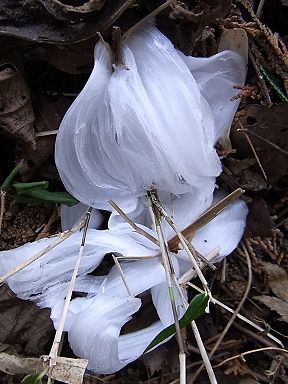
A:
<point x="23" y="324"/>
<point x="49" y="113"/>
<point x="277" y="280"/>
<point x="58" y="22"/>
<point x="275" y="304"/>
<point x="16" y="113"/>
<point x="270" y="124"/>
<point x="259" y="222"/>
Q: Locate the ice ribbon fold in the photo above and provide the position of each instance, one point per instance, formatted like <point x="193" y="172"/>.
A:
<point x="151" y="121"/>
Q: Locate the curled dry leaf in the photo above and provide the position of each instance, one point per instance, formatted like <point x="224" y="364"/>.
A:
<point x="277" y="280"/>
<point x="275" y="304"/>
<point x="58" y="22"/>
<point x="270" y="126"/>
<point x="23" y="324"/>
<point x="16" y="113"/>
<point x="49" y="113"/>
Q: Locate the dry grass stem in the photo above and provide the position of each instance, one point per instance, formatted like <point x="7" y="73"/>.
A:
<point x="58" y="335"/>
<point x="249" y="353"/>
<point x="267" y="141"/>
<point x="207" y="216"/>
<point x="122" y="275"/>
<point x="241" y="317"/>
<point x="253" y="149"/>
<point x="60" y="238"/>
<point x="191" y="273"/>
<point x="132" y="224"/>
<point x="205" y="357"/>
<point x="259" y="9"/>
<point x="234" y="315"/>
<point x="156" y="218"/>
<point x="46" y="133"/>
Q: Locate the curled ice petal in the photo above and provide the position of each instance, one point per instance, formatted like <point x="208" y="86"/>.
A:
<point x="72" y="215"/>
<point x="216" y="77"/>
<point x="119" y="147"/>
<point x="57" y="265"/>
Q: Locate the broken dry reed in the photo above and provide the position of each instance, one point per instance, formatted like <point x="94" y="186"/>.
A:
<point x="132" y="224"/>
<point x="61" y="237"/>
<point x="156" y="218"/>
<point x="253" y="150"/>
<point x="249" y="353"/>
<point x="207" y="216"/>
<point x="58" y="335"/>
<point x="234" y="315"/>
<point x="241" y="317"/>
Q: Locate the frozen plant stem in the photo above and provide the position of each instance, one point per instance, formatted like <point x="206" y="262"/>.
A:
<point x="156" y="218"/>
<point x="57" y="339"/>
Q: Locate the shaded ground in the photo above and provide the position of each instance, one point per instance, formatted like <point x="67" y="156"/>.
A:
<point x="39" y="81"/>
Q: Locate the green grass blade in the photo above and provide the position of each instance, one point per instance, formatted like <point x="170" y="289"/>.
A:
<point x="196" y="308"/>
<point x="25" y="187"/>
<point x="51" y="197"/>
<point x="11" y="176"/>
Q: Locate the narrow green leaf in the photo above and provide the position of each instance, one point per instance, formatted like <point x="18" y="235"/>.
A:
<point x="196" y="308"/>
<point x="11" y="176"/>
<point x="34" y="378"/>
<point x="24" y="187"/>
<point x="51" y="197"/>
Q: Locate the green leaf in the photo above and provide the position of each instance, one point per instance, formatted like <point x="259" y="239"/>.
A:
<point x="196" y="308"/>
<point x="22" y="188"/>
<point x="34" y="378"/>
<point x="11" y="176"/>
<point x="51" y="197"/>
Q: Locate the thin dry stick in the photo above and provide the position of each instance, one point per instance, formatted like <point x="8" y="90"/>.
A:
<point x="133" y="225"/>
<point x="207" y="216"/>
<point x="191" y="273"/>
<point x="249" y="352"/>
<point x="262" y="83"/>
<point x="205" y="357"/>
<point x="58" y="335"/>
<point x="148" y="17"/>
<point x="245" y="319"/>
<point x="253" y="149"/>
<point x="61" y="237"/>
<point x="122" y="275"/>
<point x="267" y="141"/>
<point x="156" y="218"/>
<point x="2" y="208"/>
<point x="233" y="317"/>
